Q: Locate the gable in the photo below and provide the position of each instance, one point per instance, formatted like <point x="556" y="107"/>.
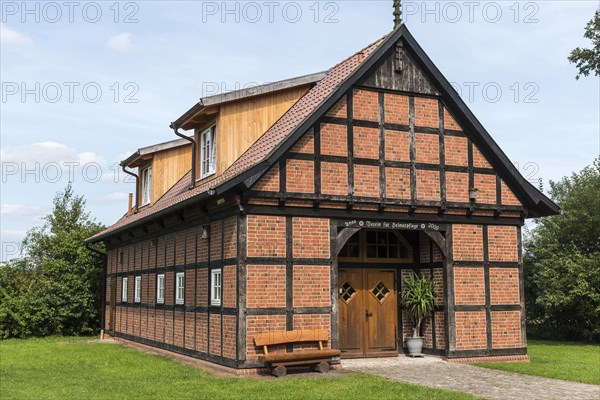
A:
<point x="378" y="96"/>
<point x="371" y="159"/>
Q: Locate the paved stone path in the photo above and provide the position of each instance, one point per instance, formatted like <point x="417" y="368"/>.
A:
<point x="482" y="382"/>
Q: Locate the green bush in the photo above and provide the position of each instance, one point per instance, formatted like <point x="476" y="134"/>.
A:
<point x="55" y="287"/>
<point x="562" y="262"/>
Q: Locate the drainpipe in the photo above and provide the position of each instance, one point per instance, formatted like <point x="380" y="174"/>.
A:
<point x="137" y="185"/>
<point x="193" y="142"/>
<point x="103" y="293"/>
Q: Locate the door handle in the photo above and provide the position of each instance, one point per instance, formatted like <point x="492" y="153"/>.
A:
<point x="367" y="315"/>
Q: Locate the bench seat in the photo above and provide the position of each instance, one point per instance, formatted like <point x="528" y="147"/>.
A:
<point x="318" y="359"/>
<point x="316" y="355"/>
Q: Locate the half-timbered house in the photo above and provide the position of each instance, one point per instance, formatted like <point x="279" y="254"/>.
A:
<point x="304" y="204"/>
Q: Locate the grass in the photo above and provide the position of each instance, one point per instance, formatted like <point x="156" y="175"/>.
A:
<point x="74" y="368"/>
<point x="567" y="361"/>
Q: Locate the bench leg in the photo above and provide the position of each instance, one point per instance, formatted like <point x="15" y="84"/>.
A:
<point x="322" y="367"/>
<point x="279" y="371"/>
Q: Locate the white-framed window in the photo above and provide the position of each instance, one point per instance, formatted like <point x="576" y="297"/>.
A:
<point x="124" y="289"/>
<point x="137" y="289"/>
<point x="216" y="285"/>
<point x="208" y="152"/>
<point x="160" y="288"/>
<point x="180" y="288"/>
<point x="146" y="185"/>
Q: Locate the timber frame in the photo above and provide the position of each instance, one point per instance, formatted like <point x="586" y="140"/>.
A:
<point x="203" y="230"/>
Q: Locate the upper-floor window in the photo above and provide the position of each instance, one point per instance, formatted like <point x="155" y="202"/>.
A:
<point x="208" y="152"/>
<point x="146" y="185"/>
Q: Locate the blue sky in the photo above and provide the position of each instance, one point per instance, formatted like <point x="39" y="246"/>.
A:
<point x="85" y="85"/>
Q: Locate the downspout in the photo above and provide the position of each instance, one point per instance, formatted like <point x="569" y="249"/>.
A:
<point x="137" y="185"/>
<point x="103" y="293"/>
<point x="193" y="142"/>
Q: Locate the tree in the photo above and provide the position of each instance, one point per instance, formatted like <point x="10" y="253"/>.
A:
<point x="55" y="287"/>
<point x="562" y="262"/>
<point x="588" y="60"/>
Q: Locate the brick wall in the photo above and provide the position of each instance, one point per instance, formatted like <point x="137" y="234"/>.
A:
<point x="365" y="105"/>
<point x="398" y="182"/>
<point x="170" y="324"/>
<point x="469" y="287"/>
<point x="338" y="110"/>
<point x="396" y="146"/>
<point x="310" y="237"/>
<point x="506" y="329"/>
<point x="503" y="244"/>
<point x="300" y="176"/>
<point x="468" y="242"/>
<point x="266" y="236"/>
<point x="428" y="148"/>
<point x="334" y="178"/>
<point x="306" y="144"/>
<point x="502" y="265"/>
<point x="366" y="142"/>
<point x="265" y="286"/>
<point x="334" y="140"/>
<point x="396" y="109"/>
<point x="311" y="286"/>
<point x="428" y="185"/>
<point x="470" y="330"/>
<point x="366" y="181"/>
<point x="504" y="286"/>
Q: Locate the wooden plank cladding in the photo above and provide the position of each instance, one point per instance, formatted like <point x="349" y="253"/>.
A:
<point x="240" y="123"/>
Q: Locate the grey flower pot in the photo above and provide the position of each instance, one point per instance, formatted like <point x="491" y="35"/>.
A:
<point x="415" y="346"/>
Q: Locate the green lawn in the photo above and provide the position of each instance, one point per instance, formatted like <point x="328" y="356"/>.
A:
<point x="566" y="361"/>
<point x="60" y="368"/>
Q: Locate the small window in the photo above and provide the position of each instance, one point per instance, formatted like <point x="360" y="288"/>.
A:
<point x="215" y="287"/>
<point x="179" y="287"/>
<point x="137" y="290"/>
<point x="208" y="152"/>
<point x="124" y="290"/>
<point x="160" y="288"/>
<point x="146" y="185"/>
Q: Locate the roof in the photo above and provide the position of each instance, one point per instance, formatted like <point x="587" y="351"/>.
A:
<point x="144" y="151"/>
<point x="182" y="122"/>
<point x="280" y="137"/>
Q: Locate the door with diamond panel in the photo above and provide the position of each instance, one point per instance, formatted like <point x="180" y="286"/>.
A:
<point x="381" y="305"/>
<point x="351" y="313"/>
<point x="367" y="310"/>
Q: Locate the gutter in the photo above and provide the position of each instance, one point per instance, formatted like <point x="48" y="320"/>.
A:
<point x="137" y="185"/>
<point x="193" y="141"/>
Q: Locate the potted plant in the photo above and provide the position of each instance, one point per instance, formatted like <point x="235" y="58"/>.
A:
<point x="418" y="299"/>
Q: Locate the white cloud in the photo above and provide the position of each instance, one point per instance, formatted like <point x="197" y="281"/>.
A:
<point x="20" y="209"/>
<point x="121" y="42"/>
<point x="116" y="197"/>
<point x="10" y="37"/>
<point x="48" y="152"/>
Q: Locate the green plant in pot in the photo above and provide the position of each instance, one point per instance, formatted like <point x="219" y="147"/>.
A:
<point x="418" y="299"/>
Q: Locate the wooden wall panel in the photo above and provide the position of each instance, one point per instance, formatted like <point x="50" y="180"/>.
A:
<point x="241" y="123"/>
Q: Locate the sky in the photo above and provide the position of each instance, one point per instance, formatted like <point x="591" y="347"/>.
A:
<point x="85" y="84"/>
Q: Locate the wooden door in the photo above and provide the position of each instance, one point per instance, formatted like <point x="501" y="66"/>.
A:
<point x="381" y="312"/>
<point x="367" y="310"/>
<point x="113" y="304"/>
<point x="351" y="313"/>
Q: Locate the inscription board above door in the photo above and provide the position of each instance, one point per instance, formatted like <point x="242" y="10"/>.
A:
<point x="411" y="226"/>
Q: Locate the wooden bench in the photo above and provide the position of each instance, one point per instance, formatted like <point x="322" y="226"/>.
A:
<point x="319" y="359"/>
